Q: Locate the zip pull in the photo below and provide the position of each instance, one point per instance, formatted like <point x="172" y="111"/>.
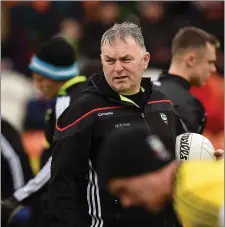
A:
<point x="145" y="121"/>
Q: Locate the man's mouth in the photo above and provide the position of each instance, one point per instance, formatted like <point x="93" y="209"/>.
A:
<point x="120" y="77"/>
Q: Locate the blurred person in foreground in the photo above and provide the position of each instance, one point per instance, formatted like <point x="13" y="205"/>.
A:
<point x="119" y="97"/>
<point x="56" y="76"/>
<point x="147" y="175"/>
<point x="193" y="61"/>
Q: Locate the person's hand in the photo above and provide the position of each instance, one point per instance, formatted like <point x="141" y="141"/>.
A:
<point x="8" y="208"/>
<point x="219" y="154"/>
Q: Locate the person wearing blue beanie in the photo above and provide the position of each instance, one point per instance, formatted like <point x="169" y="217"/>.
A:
<point x="56" y="75"/>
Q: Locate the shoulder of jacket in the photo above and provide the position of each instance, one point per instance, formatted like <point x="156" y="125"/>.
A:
<point x="177" y="93"/>
<point x="158" y="95"/>
<point x="80" y="108"/>
<point x="74" y="88"/>
<point x="78" y="86"/>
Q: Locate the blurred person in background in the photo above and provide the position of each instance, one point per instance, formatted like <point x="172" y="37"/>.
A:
<point x="16" y="90"/>
<point x="88" y="66"/>
<point x="107" y="13"/>
<point x="15" y="168"/>
<point x="71" y="30"/>
<point x="56" y="76"/>
<point x="100" y="16"/>
<point x="116" y="98"/>
<point x="193" y="61"/>
<point x="158" y="29"/>
<point x="209" y="16"/>
<point x="4" y="25"/>
<point x="152" y="178"/>
<point x="27" y="27"/>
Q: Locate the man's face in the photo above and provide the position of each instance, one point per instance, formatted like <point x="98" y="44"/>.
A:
<point x="146" y="190"/>
<point x="47" y="87"/>
<point x="123" y="65"/>
<point x="204" y="65"/>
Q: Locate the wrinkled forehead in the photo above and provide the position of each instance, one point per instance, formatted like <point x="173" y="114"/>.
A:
<point x="119" y="48"/>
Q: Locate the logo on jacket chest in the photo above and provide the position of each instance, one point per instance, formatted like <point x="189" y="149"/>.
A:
<point x="105" y="114"/>
<point x="164" y="118"/>
<point x="122" y="125"/>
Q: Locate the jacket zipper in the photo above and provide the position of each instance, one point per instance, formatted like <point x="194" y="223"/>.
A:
<point x="148" y="128"/>
<point x="146" y="123"/>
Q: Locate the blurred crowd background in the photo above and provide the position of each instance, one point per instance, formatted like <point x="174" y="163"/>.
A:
<point x="26" y="24"/>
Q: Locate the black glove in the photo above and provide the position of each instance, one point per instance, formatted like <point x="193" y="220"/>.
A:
<point x="9" y="207"/>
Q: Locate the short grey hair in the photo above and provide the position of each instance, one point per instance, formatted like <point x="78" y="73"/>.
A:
<point x="122" y="31"/>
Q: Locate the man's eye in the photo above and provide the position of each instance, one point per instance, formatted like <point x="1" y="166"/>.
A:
<point x="110" y="61"/>
<point x="126" y="60"/>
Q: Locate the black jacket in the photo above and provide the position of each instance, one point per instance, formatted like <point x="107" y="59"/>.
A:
<point x="75" y="198"/>
<point x="38" y="185"/>
<point x="72" y="89"/>
<point x="15" y="166"/>
<point x="189" y="108"/>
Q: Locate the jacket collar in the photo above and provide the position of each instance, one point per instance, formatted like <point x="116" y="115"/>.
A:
<point x="176" y="78"/>
<point x="98" y="84"/>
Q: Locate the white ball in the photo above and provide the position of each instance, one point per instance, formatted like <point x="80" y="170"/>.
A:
<point x="191" y="146"/>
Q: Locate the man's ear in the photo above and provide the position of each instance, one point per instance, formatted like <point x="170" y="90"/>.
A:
<point x="190" y="59"/>
<point x="146" y="60"/>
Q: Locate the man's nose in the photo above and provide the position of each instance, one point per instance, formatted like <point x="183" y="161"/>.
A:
<point x="118" y="66"/>
<point x="213" y="69"/>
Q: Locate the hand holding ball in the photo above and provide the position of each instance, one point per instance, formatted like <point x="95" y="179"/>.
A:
<point x="191" y="146"/>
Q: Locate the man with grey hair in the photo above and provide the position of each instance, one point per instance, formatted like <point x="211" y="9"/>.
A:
<point x="116" y="98"/>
